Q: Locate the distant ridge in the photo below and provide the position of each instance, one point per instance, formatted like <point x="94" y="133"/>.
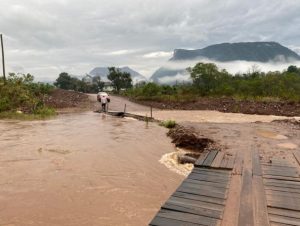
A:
<point x="225" y="52"/>
<point x="247" y="51"/>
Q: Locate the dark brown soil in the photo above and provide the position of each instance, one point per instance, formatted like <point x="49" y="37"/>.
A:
<point x="60" y="98"/>
<point x="187" y="138"/>
<point x="281" y="108"/>
<point x="295" y="124"/>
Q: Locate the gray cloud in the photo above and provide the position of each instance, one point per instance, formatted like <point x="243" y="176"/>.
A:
<point x="47" y="37"/>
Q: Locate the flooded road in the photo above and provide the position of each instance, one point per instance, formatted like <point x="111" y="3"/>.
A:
<point x="83" y="169"/>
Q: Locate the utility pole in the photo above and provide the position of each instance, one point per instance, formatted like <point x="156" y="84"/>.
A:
<point x="3" y="64"/>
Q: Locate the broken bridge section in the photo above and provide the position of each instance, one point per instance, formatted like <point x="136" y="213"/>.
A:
<point x="201" y="198"/>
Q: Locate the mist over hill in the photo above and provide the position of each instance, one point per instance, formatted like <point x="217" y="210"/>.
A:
<point x="246" y="53"/>
<point x="103" y="72"/>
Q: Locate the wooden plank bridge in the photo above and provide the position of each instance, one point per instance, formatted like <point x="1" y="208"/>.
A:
<point x="231" y="190"/>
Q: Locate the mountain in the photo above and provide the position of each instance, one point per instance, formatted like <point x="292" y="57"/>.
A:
<point x="243" y="51"/>
<point x="247" y="51"/>
<point x="103" y="72"/>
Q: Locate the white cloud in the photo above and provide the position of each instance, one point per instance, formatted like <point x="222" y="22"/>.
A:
<point x="79" y="35"/>
<point x="159" y="54"/>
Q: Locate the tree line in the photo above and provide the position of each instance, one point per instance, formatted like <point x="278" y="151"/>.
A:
<point x="118" y="80"/>
<point x="209" y="80"/>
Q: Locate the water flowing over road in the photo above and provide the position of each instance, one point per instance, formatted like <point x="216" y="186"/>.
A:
<point x="83" y="169"/>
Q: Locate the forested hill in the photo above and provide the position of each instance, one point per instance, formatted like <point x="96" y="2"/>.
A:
<point x="244" y="51"/>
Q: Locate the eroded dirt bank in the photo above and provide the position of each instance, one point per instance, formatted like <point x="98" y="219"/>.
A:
<point x="230" y="105"/>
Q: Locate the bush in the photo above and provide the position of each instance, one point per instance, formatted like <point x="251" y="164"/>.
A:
<point x="168" y="124"/>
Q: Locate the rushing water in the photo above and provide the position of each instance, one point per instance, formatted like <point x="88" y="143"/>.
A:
<point x="83" y="169"/>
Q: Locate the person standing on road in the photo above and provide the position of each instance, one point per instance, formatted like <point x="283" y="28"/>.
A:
<point x="104" y="100"/>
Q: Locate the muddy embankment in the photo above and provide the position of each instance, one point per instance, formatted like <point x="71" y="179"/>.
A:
<point x="280" y="108"/>
<point x="68" y="101"/>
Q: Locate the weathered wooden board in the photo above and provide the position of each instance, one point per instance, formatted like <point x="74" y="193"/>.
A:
<point x="161" y="221"/>
<point x="297" y="156"/>
<point x="246" y="215"/>
<point x="192" y="218"/>
<point x="230" y="163"/>
<point x="288" y="204"/>
<point x="204" y="199"/>
<point x="284" y="173"/>
<point x="284" y="220"/>
<point x="218" y="159"/>
<point x="259" y="201"/>
<point x="201" y="177"/>
<point x="214" y="174"/>
<point x="210" y="158"/>
<point x="213" y="170"/>
<point x="283" y="212"/>
<point x="186" y="208"/>
<point x="201" y="192"/>
<point x="201" y="159"/>
<point x="204" y="187"/>
<point x="256" y="168"/>
<point x="279" y="178"/>
<point x="283" y="194"/>
<point x="283" y="189"/>
<point x="212" y="184"/>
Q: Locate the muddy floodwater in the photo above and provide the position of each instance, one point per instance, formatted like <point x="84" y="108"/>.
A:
<point x="83" y="169"/>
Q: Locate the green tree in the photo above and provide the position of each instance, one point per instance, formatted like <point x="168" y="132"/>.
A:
<point x="119" y="79"/>
<point x="65" y="81"/>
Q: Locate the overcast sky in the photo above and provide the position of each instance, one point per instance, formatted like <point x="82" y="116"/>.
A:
<point x="46" y="37"/>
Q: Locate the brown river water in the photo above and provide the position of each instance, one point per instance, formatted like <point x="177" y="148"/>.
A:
<point x="83" y="169"/>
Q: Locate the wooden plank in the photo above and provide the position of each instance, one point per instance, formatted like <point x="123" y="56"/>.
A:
<point x="201" y="192"/>
<point x="204" y="187"/>
<point x="297" y="156"/>
<point x="224" y="162"/>
<point x="195" y="203"/>
<point x="281" y="178"/>
<point x="191" y="218"/>
<point x="283" y="193"/>
<point x="214" y="170"/>
<point x="230" y="162"/>
<point x="275" y="167"/>
<point x="201" y="177"/>
<point x="246" y="216"/>
<point x="201" y="159"/>
<point x="201" y="211"/>
<point x="278" y="224"/>
<point x="288" y="204"/>
<point x="283" y="212"/>
<point x="161" y="221"/>
<point x="256" y="168"/>
<point x="218" y="159"/>
<point x="284" y="220"/>
<point x="210" y="158"/>
<point x="238" y="164"/>
<point x="284" y="189"/>
<point x="199" y="199"/>
<point x="206" y="183"/>
<point x="281" y="173"/>
<point x="282" y="185"/>
<point x="260" y="202"/>
<point x="231" y="212"/>
<point x="212" y="174"/>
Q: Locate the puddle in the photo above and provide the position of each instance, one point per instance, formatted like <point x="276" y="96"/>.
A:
<point x="288" y="145"/>
<point x="270" y="134"/>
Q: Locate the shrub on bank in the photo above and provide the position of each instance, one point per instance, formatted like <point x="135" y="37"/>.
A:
<point x="168" y="124"/>
<point x="20" y="96"/>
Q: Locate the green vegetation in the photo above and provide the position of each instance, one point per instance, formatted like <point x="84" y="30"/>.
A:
<point x="67" y="82"/>
<point x="21" y="98"/>
<point x="168" y="124"/>
<point x="209" y="81"/>
<point x="120" y="80"/>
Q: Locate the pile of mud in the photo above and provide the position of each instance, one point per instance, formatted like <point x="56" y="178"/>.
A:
<point x="60" y="98"/>
<point x="280" y="108"/>
<point x="187" y="138"/>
